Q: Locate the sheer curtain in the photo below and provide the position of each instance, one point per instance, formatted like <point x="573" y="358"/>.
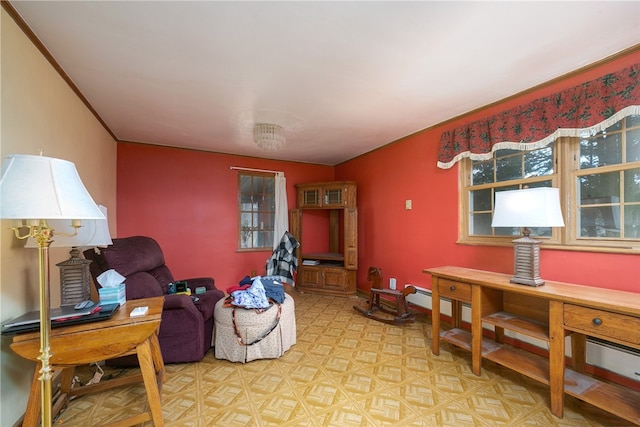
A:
<point x="281" y="222"/>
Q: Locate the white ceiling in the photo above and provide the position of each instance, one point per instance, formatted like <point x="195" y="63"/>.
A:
<point x="342" y="78"/>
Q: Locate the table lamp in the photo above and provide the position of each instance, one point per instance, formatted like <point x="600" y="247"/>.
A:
<point x="531" y="207"/>
<point x="75" y="277"/>
<point x="33" y="190"/>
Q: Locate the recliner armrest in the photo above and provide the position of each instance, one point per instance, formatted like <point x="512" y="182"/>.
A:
<point x="203" y="309"/>
<point x="177" y="302"/>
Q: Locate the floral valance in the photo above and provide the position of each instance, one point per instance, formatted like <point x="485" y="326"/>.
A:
<point x="584" y="109"/>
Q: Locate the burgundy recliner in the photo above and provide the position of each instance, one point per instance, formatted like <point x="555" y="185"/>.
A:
<point x="186" y="327"/>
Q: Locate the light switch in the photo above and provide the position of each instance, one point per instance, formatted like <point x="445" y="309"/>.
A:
<point x="407" y="204"/>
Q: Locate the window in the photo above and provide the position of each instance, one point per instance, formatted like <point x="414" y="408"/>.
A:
<point x="599" y="181"/>
<point x="605" y="184"/>
<point x="507" y="170"/>
<point x="256" y="206"/>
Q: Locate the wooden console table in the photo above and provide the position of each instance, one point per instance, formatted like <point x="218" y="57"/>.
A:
<point x="85" y="343"/>
<point x="549" y="313"/>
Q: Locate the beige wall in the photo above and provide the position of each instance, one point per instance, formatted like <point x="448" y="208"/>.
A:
<point x="40" y="111"/>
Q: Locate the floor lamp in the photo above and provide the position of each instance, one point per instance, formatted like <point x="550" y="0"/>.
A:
<point x="33" y="190"/>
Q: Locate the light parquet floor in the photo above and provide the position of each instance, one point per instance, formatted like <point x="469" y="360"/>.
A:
<point x="345" y="370"/>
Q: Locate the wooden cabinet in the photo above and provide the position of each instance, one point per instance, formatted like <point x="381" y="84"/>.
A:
<point x="548" y="313"/>
<point x="332" y="272"/>
<point x="328" y="195"/>
<point x="326" y="279"/>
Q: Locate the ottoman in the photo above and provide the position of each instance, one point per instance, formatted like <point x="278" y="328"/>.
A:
<point x="263" y="335"/>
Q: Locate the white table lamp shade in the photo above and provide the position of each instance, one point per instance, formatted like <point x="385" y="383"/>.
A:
<point x="531" y="207"/>
<point x="37" y="187"/>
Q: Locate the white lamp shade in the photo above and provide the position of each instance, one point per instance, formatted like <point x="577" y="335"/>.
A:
<point x="94" y="232"/>
<point x="37" y="187"/>
<point x="531" y="207"/>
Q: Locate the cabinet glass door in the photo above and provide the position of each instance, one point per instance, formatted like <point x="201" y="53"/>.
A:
<point x="311" y="197"/>
<point x="333" y="196"/>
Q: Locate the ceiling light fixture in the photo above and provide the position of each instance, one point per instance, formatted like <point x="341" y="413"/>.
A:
<point x="268" y="136"/>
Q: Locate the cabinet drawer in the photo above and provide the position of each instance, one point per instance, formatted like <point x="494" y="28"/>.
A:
<point x="600" y="323"/>
<point x="455" y="290"/>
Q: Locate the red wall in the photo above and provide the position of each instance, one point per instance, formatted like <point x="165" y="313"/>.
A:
<point x="188" y="201"/>
<point x="404" y="242"/>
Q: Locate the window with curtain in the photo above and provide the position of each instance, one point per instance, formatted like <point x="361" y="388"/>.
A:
<point x="599" y="181"/>
<point x="585" y="140"/>
<point x="256" y="207"/>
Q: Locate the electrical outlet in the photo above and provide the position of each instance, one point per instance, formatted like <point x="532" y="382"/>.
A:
<point x="408" y="204"/>
<point x="392" y="283"/>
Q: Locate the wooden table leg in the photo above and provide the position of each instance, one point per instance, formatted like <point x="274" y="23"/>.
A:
<point x="476" y="329"/>
<point x="146" y="360"/>
<point x="158" y="361"/>
<point x="32" y="414"/>
<point x="556" y="358"/>
<point x="435" y="317"/>
<point x="456" y="313"/>
<point x="579" y="351"/>
<point x="67" y="379"/>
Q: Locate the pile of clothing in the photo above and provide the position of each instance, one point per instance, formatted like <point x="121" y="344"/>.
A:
<point x="256" y="293"/>
<point x="259" y="294"/>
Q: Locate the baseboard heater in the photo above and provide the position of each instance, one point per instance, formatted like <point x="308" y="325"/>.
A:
<point x="617" y="358"/>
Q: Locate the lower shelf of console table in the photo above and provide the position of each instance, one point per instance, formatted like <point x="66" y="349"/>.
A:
<point x="584" y="387"/>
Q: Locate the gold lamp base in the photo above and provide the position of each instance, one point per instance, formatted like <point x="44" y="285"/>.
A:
<point x="43" y="235"/>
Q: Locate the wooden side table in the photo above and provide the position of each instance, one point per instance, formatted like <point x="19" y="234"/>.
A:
<point x="91" y="342"/>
